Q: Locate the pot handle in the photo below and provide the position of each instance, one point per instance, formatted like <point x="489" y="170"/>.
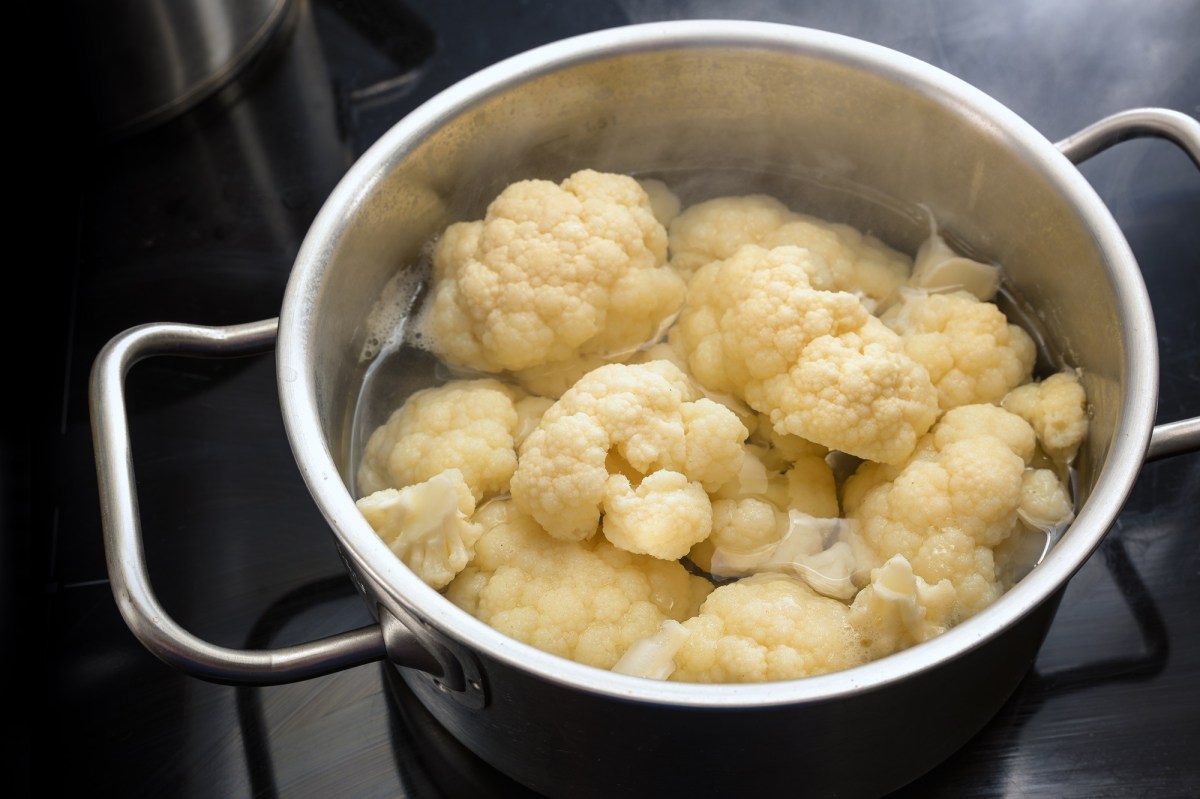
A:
<point x="1182" y="130"/>
<point x="138" y="604"/>
<point x="1136" y="123"/>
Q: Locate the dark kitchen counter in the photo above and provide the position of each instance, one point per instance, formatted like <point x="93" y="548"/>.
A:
<point x="198" y="219"/>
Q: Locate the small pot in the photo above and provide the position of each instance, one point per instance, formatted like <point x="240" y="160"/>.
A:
<point x="870" y="137"/>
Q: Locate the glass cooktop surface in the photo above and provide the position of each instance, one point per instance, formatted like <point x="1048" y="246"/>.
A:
<point x="198" y="219"/>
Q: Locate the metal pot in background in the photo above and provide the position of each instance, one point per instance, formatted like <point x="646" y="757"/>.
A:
<point x="680" y="99"/>
<point x="148" y="61"/>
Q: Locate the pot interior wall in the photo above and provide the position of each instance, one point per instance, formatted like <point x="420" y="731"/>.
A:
<point x="836" y="132"/>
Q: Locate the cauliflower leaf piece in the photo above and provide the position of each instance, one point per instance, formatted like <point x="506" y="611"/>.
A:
<point x="971" y="351"/>
<point x="638" y="419"/>
<point x="587" y="601"/>
<point x="552" y="274"/>
<point x="427" y="525"/>
<point x="469" y="425"/>
<point x="813" y="549"/>
<point x="766" y="627"/>
<point x="938" y="268"/>
<point x="758" y="325"/>
<point x="898" y="609"/>
<point x="653" y="657"/>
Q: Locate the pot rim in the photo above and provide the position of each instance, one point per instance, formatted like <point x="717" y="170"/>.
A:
<point x="372" y="558"/>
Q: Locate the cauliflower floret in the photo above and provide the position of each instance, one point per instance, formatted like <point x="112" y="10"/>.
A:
<point x="743" y="525"/>
<point x="1045" y="511"/>
<point x="671" y="350"/>
<point x="467" y="425"/>
<point x="766" y="627"/>
<point x="553" y="273"/>
<point x="950" y="505"/>
<point x="716" y="229"/>
<point x="663" y="516"/>
<point x="642" y="420"/>
<point x="427" y="525"/>
<point x="898" y="609"/>
<point x="757" y="325"/>
<point x="968" y="347"/>
<point x="1057" y="409"/>
<point x="1045" y="502"/>
<point x="587" y="601"/>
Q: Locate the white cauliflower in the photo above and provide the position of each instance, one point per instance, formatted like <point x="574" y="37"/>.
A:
<point x="968" y="347"/>
<point x="759" y="325"/>
<point x="1045" y="503"/>
<point x="777" y="429"/>
<point x="553" y="274"/>
<point x="766" y="627"/>
<point x="663" y="446"/>
<point x="898" y="609"/>
<point x="583" y="600"/>
<point x="427" y="525"/>
<point x="469" y="425"/>
<point x="1057" y="409"/>
<point x="716" y="229"/>
<point x="947" y="508"/>
<point x="662" y="516"/>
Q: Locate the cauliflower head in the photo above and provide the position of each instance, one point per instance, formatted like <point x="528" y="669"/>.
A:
<point x="427" y="525"/>
<point x="636" y="442"/>
<point x="761" y="326"/>
<point x="970" y="350"/>
<point x="587" y="601"/>
<point x="469" y="425"/>
<point x="716" y="229"/>
<point x="552" y="274"/>
<point x="766" y="627"/>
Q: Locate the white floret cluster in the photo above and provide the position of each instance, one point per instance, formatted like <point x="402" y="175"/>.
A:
<point x="722" y="443"/>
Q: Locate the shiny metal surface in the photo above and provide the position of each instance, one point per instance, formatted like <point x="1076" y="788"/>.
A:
<point x="200" y="220"/>
<point x="1164" y="123"/>
<point x="131" y="585"/>
<point x="151" y="60"/>
<point x="1175" y="438"/>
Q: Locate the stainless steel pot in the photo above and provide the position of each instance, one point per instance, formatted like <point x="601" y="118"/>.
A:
<point x="873" y="136"/>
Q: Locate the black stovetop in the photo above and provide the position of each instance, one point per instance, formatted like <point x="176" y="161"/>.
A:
<point x="198" y="220"/>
